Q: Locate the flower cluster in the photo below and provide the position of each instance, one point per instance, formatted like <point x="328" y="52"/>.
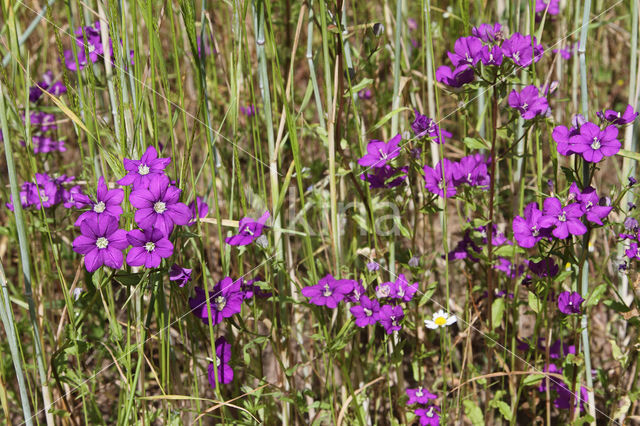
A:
<point x="428" y="414"/>
<point x="379" y="153"/>
<point x="47" y="192"/>
<point x="158" y="211"/>
<point x="558" y="220"/>
<point x="529" y="102"/>
<point x="593" y="141"/>
<point x="487" y="46"/>
<point x="447" y="176"/>
<point x="89" y="48"/>
<point x="330" y="292"/>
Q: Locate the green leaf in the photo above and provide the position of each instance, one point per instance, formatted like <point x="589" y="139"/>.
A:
<point x="497" y="311"/>
<point x="595" y="295"/>
<point x="630" y="154"/>
<point x="355" y="89"/>
<point x="475" y="143"/>
<point x="532" y="380"/>
<point x="426" y="296"/>
<point x="534" y="303"/>
<point x="387" y="117"/>
<point x="504" y="409"/>
<point x="507" y="251"/>
<point x="473" y="412"/>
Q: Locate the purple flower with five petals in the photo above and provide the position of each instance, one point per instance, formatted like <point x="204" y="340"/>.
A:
<point x="328" y="292"/>
<point x="434" y="182"/>
<point x="565" y="220"/>
<point x="419" y="396"/>
<point x="225" y="300"/>
<point x="488" y="33"/>
<point x="569" y="302"/>
<point x="528" y="230"/>
<point x="491" y="55"/>
<point x="528" y="102"/>
<point x="616" y="118"/>
<point x="102" y="242"/>
<point x="249" y="230"/>
<point x="107" y="203"/>
<point x="595" y="144"/>
<point x="141" y="172"/>
<point x="466" y="51"/>
<point x="149" y="247"/>
<point x="457" y="78"/>
<point x="366" y="313"/>
<point x="589" y="201"/>
<point x="522" y="50"/>
<point x="390" y="316"/>
<point x="562" y="135"/>
<point x="379" y="152"/>
<point x="158" y="206"/>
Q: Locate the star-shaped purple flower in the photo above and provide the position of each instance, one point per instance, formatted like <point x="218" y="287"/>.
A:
<point x="562" y="135"/>
<point x="466" y="51"/>
<point x="595" y="144"/>
<point x="101" y="242"/>
<point x="457" y="77"/>
<point x="149" y="247"/>
<point x="328" y="292"/>
<point x="429" y="416"/>
<point x="617" y="118"/>
<point x="390" y="317"/>
<point x="248" y="231"/>
<point x="528" y="102"/>
<point x="589" y="201"/>
<point x="158" y="206"/>
<point x="419" y="395"/>
<point x="366" y="313"/>
<point x="225" y="300"/>
<point x="565" y="220"/>
<point x="528" y="230"/>
<point x="141" y="172"/>
<point x="519" y="49"/>
<point x="488" y="33"/>
<point x="434" y="182"/>
<point x="107" y="203"/>
<point x="379" y="152"/>
<point x="569" y="302"/>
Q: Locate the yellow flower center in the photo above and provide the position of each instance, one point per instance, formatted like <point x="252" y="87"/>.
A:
<point x="440" y="321"/>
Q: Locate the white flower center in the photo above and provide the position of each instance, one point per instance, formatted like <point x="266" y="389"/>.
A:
<point x="383" y="154"/>
<point x="143" y="169"/>
<point x="419" y="393"/>
<point x="160" y="207"/>
<point x="595" y="144"/>
<point x="99" y="207"/>
<point x="588" y="205"/>
<point x="91" y="48"/>
<point x="221" y="302"/>
<point x="384" y="291"/>
<point x="217" y="362"/>
<point x="563" y="217"/>
<point x="516" y="56"/>
<point x="150" y="246"/>
<point x="535" y="231"/>
<point x="467" y="57"/>
<point x="368" y="312"/>
<point x="430" y="412"/>
<point x="102" y="243"/>
<point x="525" y="106"/>
<point x="327" y="291"/>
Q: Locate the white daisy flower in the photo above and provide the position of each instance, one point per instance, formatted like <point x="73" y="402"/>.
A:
<point x="440" y="319"/>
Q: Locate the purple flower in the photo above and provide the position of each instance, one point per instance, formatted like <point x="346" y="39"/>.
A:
<point x="488" y="33"/>
<point x="373" y="266"/>
<point x="631" y="223"/>
<point x="491" y="55"/>
<point x="563" y="136"/>
<point x="75" y="198"/>
<point x="472" y="170"/>
<point x="328" y="292"/>
<point x="107" y="203"/>
<point x="617" y="118"/>
<point x="434" y="182"/>
<point x="366" y="313"/>
<point x="179" y="274"/>
<point x="528" y="102"/>
<point x="547" y="267"/>
<point x="419" y="396"/>
<point x="401" y="289"/>
<point x="379" y="152"/>
<point x="47" y="83"/>
<point x="565" y="220"/>
<point x="385" y="177"/>
<point x="425" y="126"/>
<point x="566" y="398"/>
<point x="198" y="209"/>
<point x="248" y="231"/>
<point x="249" y="111"/>
<point x="528" y="230"/>
<point x="462" y="249"/>
<point x="519" y="49"/>
<point x="101" y="242"/>
<point x="149" y="247"/>
<point x="429" y="416"/>
<point x="143" y="171"/>
<point x="223" y="356"/>
<point x="158" y="206"/>
<point x="569" y="302"/>
<point x="249" y="290"/>
<point x="365" y="94"/>
<point x="390" y="317"/>
<point x="595" y="144"/>
<point x="552" y="6"/>
<point x="508" y="268"/>
<point x="632" y="252"/>
<point x="356" y="293"/>
<point x="225" y="300"/>
<point x="589" y="201"/>
<point x="466" y="51"/>
<point x="456" y="78"/>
